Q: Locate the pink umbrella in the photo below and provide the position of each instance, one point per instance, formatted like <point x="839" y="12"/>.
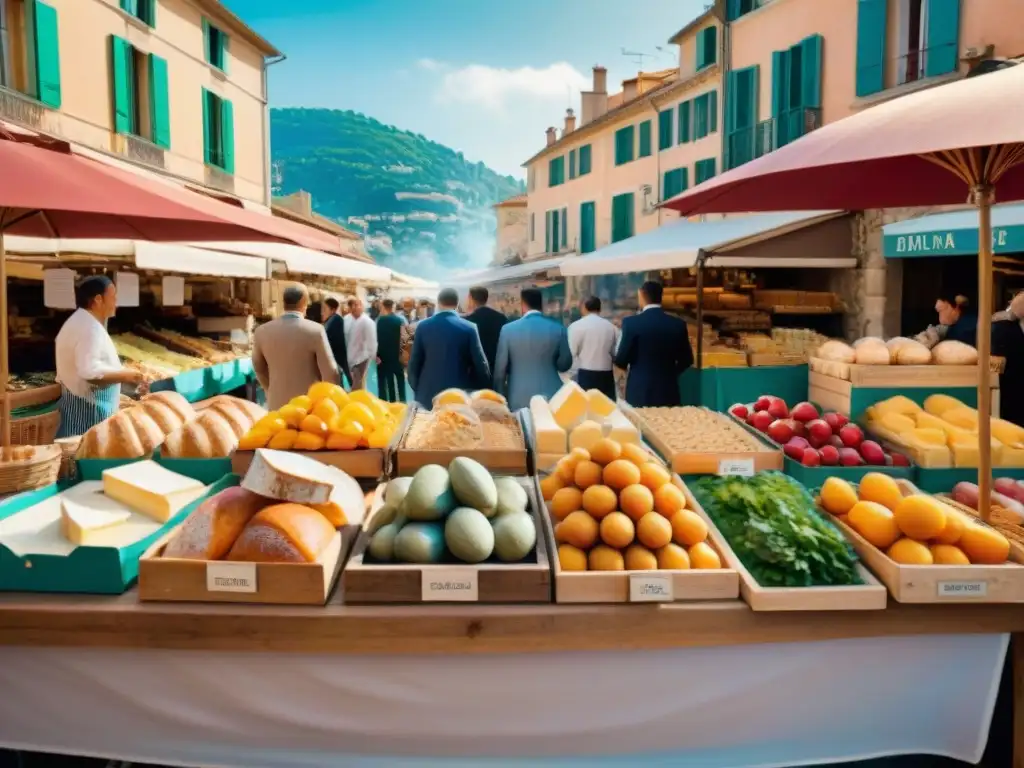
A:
<point x="962" y="142"/>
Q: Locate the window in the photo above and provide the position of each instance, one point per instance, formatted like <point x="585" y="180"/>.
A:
<point x="703" y="170"/>
<point x="741" y="113"/>
<point x="565" y="228"/>
<point x="139" y="82"/>
<point x="584" y="158"/>
<point x="143" y="10"/>
<point x="622" y="217"/>
<point x="796" y="89"/>
<point x="928" y="38"/>
<point x="572" y="164"/>
<point x="736" y="8"/>
<point x="707" y="47"/>
<point x="645" y="139"/>
<point x="556" y="171"/>
<point x="871" y="34"/>
<point x="673" y="183"/>
<point x="588" y="225"/>
<point x="705" y="115"/>
<point x="215" y="43"/>
<point x="665" y="129"/>
<point x="624" y="145"/>
<point x="684" y="122"/>
<point x="218" y="132"/>
<point x="557" y="230"/>
<point x="30" y="50"/>
<point x="533" y="227"/>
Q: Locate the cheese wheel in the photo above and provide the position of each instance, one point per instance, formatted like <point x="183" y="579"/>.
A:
<point x="283" y="533"/>
<point x="214" y="433"/>
<point x="212" y="529"/>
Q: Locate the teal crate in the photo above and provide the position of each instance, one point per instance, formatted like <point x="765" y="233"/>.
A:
<point x="204" y="383"/>
<point x="718" y="388"/>
<point x="943" y="480"/>
<point x="207" y="471"/>
<point x="87" y="570"/>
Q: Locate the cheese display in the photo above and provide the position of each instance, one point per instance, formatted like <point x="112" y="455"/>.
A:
<point x="288" y="476"/>
<point x="569" y="405"/>
<point x="151" y="489"/>
<point x="138" y="430"/>
<point x="215" y="432"/>
<point x="621" y="430"/>
<point x="599" y="404"/>
<point x="602" y="418"/>
<point x="551" y="438"/>
<point x="82" y="522"/>
<point x="585" y="435"/>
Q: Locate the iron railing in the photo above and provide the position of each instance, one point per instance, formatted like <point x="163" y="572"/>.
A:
<point x="746" y="144"/>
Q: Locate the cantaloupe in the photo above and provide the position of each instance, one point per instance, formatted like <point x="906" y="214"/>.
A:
<point x="473" y="485"/>
<point x="515" y="535"/>
<point x="469" y="535"/>
<point x="430" y="494"/>
<point x="512" y="496"/>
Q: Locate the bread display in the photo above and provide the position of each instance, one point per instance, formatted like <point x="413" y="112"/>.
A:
<point x="211" y="531"/>
<point x="136" y="431"/>
<point x="283" y="533"/>
<point x="215" y="432"/>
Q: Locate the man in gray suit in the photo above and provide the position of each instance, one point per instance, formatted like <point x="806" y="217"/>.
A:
<point x="532" y="352"/>
<point x="291" y="353"/>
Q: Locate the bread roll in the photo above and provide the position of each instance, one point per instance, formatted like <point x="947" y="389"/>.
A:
<point x="836" y="351"/>
<point x="283" y="533"/>
<point x="872" y="352"/>
<point x="911" y="352"/>
<point x="954" y="353"/>
<point x="136" y="431"/>
<point x="214" y="433"/>
<point x="212" y="529"/>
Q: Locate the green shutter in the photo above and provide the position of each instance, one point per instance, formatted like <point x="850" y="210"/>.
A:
<point x="159" y="104"/>
<point x="227" y="129"/>
<point x="732" y="10"/>
<point x="553" y="172"/>
<point x="645" y="139"/>
<point x="207" y="128"/>
<point x="780" y="97"/>
<point x="565" y="227"/>
<point x="207" y="48"/>
<point x="871" y="33"/>
<point x="624" y="144"/>
<point x="700" y="50"/>
<point x="684" y="122"/>
<point x="130" y="6"/>
<point x="810" y="75"/>
<point x="150" y="12"/>
<point x="674" y="183"/>
<point x="572" y="164"/>
<point x="943" y="55"/>
<point x="584" y="160"/>
<point x="700" y="116"/>
<point x="47" y="55"/>
<point x="622" y="217"/>
<point x="587" y="228"/>
<point x="547" y="232"/>
<point x="121" y="76"/>
<point x="711" y="45"/>
<point x="713" y="111"/>
<point x="225" y="49"/>
<point x="665" y="129"/>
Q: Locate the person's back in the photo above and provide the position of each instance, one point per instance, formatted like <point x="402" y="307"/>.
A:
<point x="390" y="377"/>
<point x="532" y="352"/>
<point x="488" y="321"/>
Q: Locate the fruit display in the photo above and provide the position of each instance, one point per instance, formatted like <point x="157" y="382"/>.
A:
<point x="457" y="514"/>
<point x="692" y="429"/>
<point x="772" y="524"/>
<point x="1006" y="512"/>
<point x="814" y="438"/>
<point x="872" y="350"/>
<point x="327" y="418"/>
<point x="944" y="432"/>
<point x="914" y="528"/>
<point x="464" y="421"/>
<point x="616" y="509"/>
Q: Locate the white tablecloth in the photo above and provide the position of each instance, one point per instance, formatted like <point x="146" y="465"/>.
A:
<point x="728" y="707"/>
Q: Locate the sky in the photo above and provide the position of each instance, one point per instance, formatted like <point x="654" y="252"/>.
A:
<point x="480" y="76"/>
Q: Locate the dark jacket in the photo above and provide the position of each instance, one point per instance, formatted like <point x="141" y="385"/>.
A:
<point x="964" y="330"/>
<point x="335" y="327"/>
<point x="446" y="353"/>
<point x="389" y="339"/>
<point x="1008" y="342"/>
<point x="489" y="323"/>
<point x="655" y="348"/>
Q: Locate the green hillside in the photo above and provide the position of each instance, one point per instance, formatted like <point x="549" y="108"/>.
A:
<point x="421" y="204"/>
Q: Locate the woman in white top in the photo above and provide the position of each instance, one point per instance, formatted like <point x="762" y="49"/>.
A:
<point x="88" y="368"/>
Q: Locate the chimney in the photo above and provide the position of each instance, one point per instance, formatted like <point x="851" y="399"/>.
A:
<point x="600" y="79"/>
<point x="595" y="103"/>
<point x="552" y="137"/>
<point x="570" y="122"/>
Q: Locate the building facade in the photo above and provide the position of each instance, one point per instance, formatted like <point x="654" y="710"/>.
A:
<point x="175" y="86"/>
<point x="512" y="233"/>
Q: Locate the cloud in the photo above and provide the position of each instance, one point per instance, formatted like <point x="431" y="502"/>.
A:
<point x="497" y="89"/>
<point x="431" y="65"/>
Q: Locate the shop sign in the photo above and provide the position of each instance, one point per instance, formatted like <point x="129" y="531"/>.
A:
<point x="946" y="242"/>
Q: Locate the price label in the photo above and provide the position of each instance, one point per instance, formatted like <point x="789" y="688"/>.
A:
<point x="963" y="588"/>
<point x="741" y="467"/>
<point x="450" y="585"/>
<point x="650" y="588"/>
<point x="231" y="577"/>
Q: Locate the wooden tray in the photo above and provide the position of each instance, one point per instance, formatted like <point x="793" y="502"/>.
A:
<point x="27" y="398"/>
<point x="947" y="376"/>
<point x="363" y="463"/>
<point x="487" y="582"/>
<point x="869" y="596"/>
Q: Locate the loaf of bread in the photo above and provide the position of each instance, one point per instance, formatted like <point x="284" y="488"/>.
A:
<point x="215" y="431"/>
<point x="283" y="533"/>
<point x="214" y="527"/>
<point x="136" y="431"/>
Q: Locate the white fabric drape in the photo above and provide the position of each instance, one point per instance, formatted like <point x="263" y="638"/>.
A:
<point x="727" y="707"/>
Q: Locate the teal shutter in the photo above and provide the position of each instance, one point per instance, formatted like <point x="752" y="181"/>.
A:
<point x="700" y="51"/>
<point x="227" y="129"/>
<point x="780" y="97"/>
<point x="225" y="50"/>
<point x="207" y="128"/>
<point x="159" y="104"/>
<point x="871" y="32"/>
<point x="47" y="55"/>
<point x="810" y="75"/>
<point x="645" y="139"/>
<point x="207" y="40"/>
<point x="572" y="164"/>
<point x="584" y="159"/>
<point x="665" y="129"/>
<point x="684" y="122"/>
<point x="674" y="183"/>
<point x="565" y="227"/>
<point x="624" y="145"/>
<point x="588" y="222"/>
<point x="547" y="232"/>
<point x="552" y="172"/>
<point x="622" y="217"/>
<point x="130" y="6"/>
<point x="732" y="10"/>
<point x="942" y="56"/>
<point x="150" y="13"/>
<point x="711" y="45"/>
<point x="712" y="111"/>
<point x="121" y="73"/>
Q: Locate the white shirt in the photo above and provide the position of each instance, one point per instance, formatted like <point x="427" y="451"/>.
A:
<point x="84" y="352"/>
<point x="651" y="306"/>
<point x="362" y="340"/>
<point x="346" y="324"/>
<point x="592" y="341"/>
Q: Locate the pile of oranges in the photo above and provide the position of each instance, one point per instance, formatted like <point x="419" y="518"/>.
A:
<point x="327" y="418"/>
<point x="615" y="508"/>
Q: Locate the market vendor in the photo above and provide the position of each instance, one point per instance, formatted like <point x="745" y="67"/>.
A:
<point x="956" y="323"/>
<point x="88" y="368"/>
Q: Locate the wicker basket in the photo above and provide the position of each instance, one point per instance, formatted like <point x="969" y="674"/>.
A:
<point x="35" y="430"/>
<point x="68" y="447"/>
<point x="28" y="474"/>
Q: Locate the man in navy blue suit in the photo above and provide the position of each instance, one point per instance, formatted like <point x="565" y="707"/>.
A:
<point x="655" y="350"/>
<point x="446" y="353"/>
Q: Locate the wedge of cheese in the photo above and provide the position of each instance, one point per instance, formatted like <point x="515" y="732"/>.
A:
<point x="569" y="405"/>
<point x="151" y="489"/>
<point x="84" y="520"/>
<point x="621" y="429"/>
<point x="599" y="405"/>
<point x="585" y="435"/>
<point x="550" y="438"/>
<point x="289" y="477"/>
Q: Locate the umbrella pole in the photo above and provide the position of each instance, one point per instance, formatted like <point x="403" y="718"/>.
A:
<point x="983" y="196"/>
<point x="4" y="337"/>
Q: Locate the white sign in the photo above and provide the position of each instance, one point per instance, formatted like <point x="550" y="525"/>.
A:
<point x="741" y="467"/>
<point x="231" y="577"/>
<point x="963" y="588"/>
<point x="450" y="585"/>
<point x="59" y="288"/>
<point x="173" y="291"/>
<point x="127" y="289"/>
<point x="650" y="588"/>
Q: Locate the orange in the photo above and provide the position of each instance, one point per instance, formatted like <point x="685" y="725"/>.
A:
<point x="283" y="440"/>
<point x="326" y="409"/>
<point x="875" y="523"/>
<point x="307" y="441"/>
<point x="921" y="517"/>
<point x="578" y="529"/>
<point x="620" y="473"/>
<point x="599" y="500"/>
<point x="587" y="473"/>
<point x="292" y="415"/>
<point x="672" y="557"/>
<point x="257" y="437"/>
<point x="566" y="469"/>
<point x="617" y="530"/>
<point x="909" y="552"/>
<point x="703" y="557"/>
<point x="358" y="412"/>
<point x="688" y="528"/>
<point x="314" y="425"/>
<point x="636" y="501"/>
<point x="984" y="545"/>
<point x="654" y="476"/>
<point x="579" y="454"/>
<point x="319" y="391"/>
<point x="605" y="451"/>
<point x="635" y="454"/>
<point x="668" y="500"/>
<point x="339" y="441"/>
<point x="549" y="485"/>
<point x="837" y="496"/>
<point x="340" y="397"/>
<point x="954" y="529"/>
<point x="640" y="559"/>
<point x="564" y="501"/>
<point x="654" y="531"/>
<point x="947" y="554"/>
<point x="604" y="558"/>
<point x="272" y="422"/>
<point x="571" y="558"/>
<point x="882" y="489"/>
<point x="302" y="401"/>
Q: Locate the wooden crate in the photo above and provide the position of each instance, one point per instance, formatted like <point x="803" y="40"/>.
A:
<point x="764" y="359"/>
<point x="641" y="586"/>
<point x="869" y="596"/>
<point x="882" y="376"/>
<point x="487" y="582"/>
<point x="363" y="463"/>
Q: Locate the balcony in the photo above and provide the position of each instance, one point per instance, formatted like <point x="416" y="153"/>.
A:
<point x="746" y="144"/>
<point x="21" y="110"/>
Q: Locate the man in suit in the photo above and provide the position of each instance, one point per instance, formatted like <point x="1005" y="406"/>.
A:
<point x="489" y="322"/>
<point x="291" y="353"/>
<point x="532" y="352"/>
<point x="390" y="374"/>
<point x="335" y="327"/>
<point x="654" y="350"/>
<point x="446" y="353"/>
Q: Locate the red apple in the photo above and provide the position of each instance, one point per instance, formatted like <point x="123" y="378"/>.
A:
<point x="799" y="441"/>
<point x="899" y="460"/>
<point x="780" y="431"/>
<point x="849" y="457"/>
<point x="762" y="403"/>
<point x="804" y="412"/>
<point x="818" y="432"/>
<point x="739" y="410"/>
<point x="794" y="450"/>
<point x="829" y="455"/>
<point x="872" y="453"/>
<point x="811" y="458"/>
<point x="851" y="435"/>
<point x="761" y="421"/>
<point x="843" y="420"/>
<point x="833" y="420"/>
<point x="779" y="409"/>
<point x="836" y="442"/>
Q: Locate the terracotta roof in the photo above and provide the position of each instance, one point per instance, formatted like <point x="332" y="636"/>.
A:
<point x="512" y="201"/>
<point x="219" y="12"/>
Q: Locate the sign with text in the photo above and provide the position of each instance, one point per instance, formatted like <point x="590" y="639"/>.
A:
<point x="650" y="588"/>
<point x="963" y="589"/>
<point x="741" y="467"/>
<point x="231" y="577"/>
<point x="447" y="585"/>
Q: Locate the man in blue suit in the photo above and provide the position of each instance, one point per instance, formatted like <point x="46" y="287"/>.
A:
<point x="655" y="349"/>
<point x="532" y="351"/>
<point x="446" y="353"/>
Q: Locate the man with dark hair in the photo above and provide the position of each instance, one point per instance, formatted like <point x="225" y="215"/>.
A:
<point x="88" y="368"/>
<point x="532" y="352"/>
<point x="489" y="322"/>
<point x="291" y="353"/>
<point x="592" y="341"/>
<point x="446" y="353"/>
<point x="335" y="328"/>
<point x="390" y="374"/>
<point x="655" y="351"/>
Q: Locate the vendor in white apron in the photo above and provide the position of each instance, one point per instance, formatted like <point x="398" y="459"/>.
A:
<point x="88" y="368"/>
